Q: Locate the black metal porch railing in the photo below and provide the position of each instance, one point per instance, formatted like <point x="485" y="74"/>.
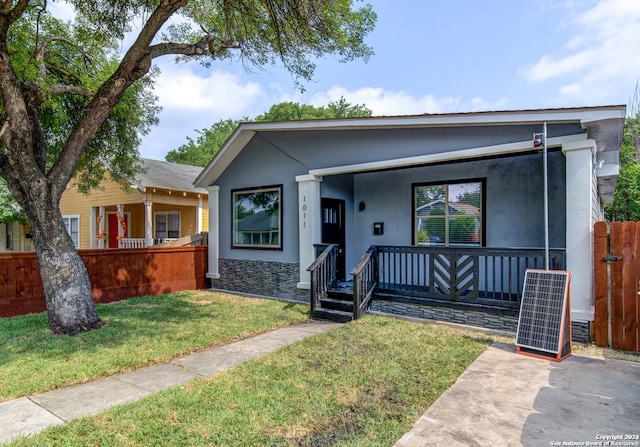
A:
<point x="365" y="281"/>
<point x="479" y="276"/>
<point x="323" y="273"/>
<point x="492" y="276"/>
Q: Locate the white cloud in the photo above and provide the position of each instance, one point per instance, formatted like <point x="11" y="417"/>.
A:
<point x="193" y="101"/>
<point x="386" y="103"/>
<point x="179" y="88"/>
<point x="600" y="59"/>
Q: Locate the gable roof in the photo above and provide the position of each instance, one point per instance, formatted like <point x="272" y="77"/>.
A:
<point x="604" y="124"/>
<point x="167" y="175"/>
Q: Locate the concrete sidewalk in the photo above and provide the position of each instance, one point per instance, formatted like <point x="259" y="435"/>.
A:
<point x="30" y="415"/>
<point x="508" y="399"/>
<point x="502" y="399"/>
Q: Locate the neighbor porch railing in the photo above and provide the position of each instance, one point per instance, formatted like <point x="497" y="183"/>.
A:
<point x="323" y="273"/>
<point x="365" y="281"/>
<point x="132" y="242"/>
<point x="491" y="276"/>
<point x="135" y="242"/>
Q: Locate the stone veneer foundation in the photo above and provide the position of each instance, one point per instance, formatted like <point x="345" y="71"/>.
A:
<point x="280" y="279"/>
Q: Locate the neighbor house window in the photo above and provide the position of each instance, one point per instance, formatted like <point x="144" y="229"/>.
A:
<point x="448" y="214"/>
<point x="167" y="225"/>
<point x="9" y="233"/>
<point x="257" y="217"/>
<point x="72" y="224"/>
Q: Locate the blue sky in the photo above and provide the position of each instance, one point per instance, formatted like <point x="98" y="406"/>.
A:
<point x="431" y="57"/>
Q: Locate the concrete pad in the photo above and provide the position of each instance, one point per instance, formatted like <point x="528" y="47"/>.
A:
<point x="22" y="417"/>
<point x="89" y="398"/>
<point x="507" y="399"/>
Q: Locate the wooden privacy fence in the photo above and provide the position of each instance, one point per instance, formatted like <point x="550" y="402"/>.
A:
<point x="115" y="275"/>
<point x="616" y="285"/>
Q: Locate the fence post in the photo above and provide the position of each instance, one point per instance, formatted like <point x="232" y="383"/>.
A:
<point x="600" y="284"/>
<point x="636" y="314"/>
<point x="630" y="282"/>
<point x="615" y="267"/>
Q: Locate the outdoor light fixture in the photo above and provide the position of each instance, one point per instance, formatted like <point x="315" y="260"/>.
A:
<point x="538" y="140"/>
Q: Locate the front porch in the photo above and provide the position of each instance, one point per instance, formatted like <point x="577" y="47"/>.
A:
<point x="145" y="224"/>
<point x="485" y="280"/>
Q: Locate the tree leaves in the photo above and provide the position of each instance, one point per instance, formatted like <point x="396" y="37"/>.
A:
<point x="626" y="201"/>
<point x="209" y="141"/>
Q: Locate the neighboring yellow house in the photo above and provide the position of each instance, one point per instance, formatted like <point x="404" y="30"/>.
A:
<point x="15" y="237"/>
<point x="162" y="204"/>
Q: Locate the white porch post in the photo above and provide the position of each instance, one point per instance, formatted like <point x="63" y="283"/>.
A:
<point x="214" y="232"/>
<point x="309" y="224"/>
<point x="148" y="223"/>
<point x="120" y="209"/>
<point x="579" y="232"/>
<point x="199" y="216"/>
<point x="101" y="227"/>
<point x="93" y="241"/>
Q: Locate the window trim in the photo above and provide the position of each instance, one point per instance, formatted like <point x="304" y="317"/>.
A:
<point x="234" y="193"/>
<point x="483" y="201"/>
<point x="73" y="216"/>
<point x="166" y="213"/>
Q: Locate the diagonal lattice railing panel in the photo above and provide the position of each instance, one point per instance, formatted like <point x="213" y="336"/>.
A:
<point x="454" y="275"/>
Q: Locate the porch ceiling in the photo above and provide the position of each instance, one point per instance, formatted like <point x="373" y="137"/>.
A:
<point x="485" y="151"/>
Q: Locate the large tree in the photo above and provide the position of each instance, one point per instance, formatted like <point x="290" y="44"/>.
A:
<point x="209" y="141"/>
<point x="60" y="88"/>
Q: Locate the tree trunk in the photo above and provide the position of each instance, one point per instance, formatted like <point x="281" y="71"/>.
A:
<point x="65" y="279"/>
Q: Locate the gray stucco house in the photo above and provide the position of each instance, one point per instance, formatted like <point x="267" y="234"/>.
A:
<point x="366" y="182"/>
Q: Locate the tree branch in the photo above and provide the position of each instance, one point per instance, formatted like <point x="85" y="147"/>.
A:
<point x="57" y="89"/>
<point x="19" y="9"/>
<point x="42" y="65"/>
<point x="4" y="128"/>
<point x="208" y="43"/>
<point x="135" y="64"/>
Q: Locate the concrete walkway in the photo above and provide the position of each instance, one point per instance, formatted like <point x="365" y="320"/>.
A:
<point x="30" y="415"/>
<point x="508" y="399"/>
<point x="502" y="399"/>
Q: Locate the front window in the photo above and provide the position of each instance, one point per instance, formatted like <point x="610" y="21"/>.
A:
<point x="167" y="225"/>
<point x="257" y="218"/>
<point x="72" y="225"/>
<point x="448" y="214"/>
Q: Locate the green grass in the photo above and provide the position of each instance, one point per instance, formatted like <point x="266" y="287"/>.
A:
<point x="362" y="384"/>
<point x="140" y="332"/>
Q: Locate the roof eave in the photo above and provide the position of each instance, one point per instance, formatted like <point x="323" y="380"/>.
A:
<point x="588" y="117"/>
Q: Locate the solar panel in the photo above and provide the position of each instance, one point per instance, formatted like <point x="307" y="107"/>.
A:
<point x="544" y="325"/>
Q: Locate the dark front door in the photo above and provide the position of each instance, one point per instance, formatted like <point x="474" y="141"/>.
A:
<point x="333" y="231"/>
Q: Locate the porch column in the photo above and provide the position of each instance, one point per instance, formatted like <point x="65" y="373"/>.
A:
<point x="214" y="232"/>
<point x="93" y="242"/>
<point x="121" y="234"/>
<point x="309" y="224"/>
<point x="101" y="226"/>
<point x="580" y="191"/>
<point x="199" y="215"/>
<point x="148" y="223"/>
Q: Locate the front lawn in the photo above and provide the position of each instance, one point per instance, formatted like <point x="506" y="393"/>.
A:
<point x="140" y="332"/>
<point x="362" y="384"/>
